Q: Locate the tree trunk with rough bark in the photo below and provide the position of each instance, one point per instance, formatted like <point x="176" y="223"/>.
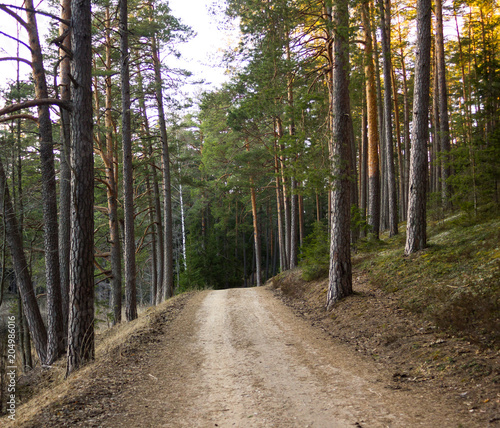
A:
<point x="416" y="238"/>
<point x="340" y="276"/>
<point x="168" y="262"/>
<point x="279" y="205"/>
<point x="444" y="122"/>
<point x="81" y="315"/>
<point x="128" y="170"/>
<point x="373" y="136"/>
<point x="256" y="236"/>
<point x="363" y="179"/>
<point x="14" y="240"/>
<point x="385" y="19"/>
<point x="55" y="323"/>
<point x="397" y="124"/>
<point x="65" y="174"/>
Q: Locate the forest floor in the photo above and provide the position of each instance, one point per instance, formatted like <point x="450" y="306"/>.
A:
<point x="242" y="358"/>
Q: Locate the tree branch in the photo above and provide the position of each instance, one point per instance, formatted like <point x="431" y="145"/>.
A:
<point x="15" y="39"/>
<point x="14" y="15"/>
<point x="34" y="103"/>
<point x="13" y="58"/>
<point x="57" y="18"/>
<point x="19" y="116"/>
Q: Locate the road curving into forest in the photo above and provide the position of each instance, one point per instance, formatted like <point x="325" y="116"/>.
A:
<point x="240" y="358"/>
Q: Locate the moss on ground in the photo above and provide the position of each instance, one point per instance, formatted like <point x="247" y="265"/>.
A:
<point x="455" y="282"/>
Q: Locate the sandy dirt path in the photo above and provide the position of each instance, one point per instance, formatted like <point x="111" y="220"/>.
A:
<point x="240" y="358"/>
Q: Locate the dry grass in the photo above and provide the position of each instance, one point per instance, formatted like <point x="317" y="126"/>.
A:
<point x="50" y="388"/>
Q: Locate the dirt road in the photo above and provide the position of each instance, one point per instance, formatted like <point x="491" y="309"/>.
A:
<point x="240" y="358"/>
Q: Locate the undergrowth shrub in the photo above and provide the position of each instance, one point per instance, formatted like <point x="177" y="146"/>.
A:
<point x="474" y="310"/>
<point x="315" y="255"/>
<point x="289" y="284"/>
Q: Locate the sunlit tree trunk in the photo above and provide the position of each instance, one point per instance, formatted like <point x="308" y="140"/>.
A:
<point x="284" y="208"/>
<point x="294" y="205"/>
<point x="435" y="167"/>
<point x="401" y="169"/>
<point x="363" y="180"/>
<point x="406" y="125"/>
<point x="385" y="17"/>
<point x="444" y="124"/>
<point x="373" y="136"/>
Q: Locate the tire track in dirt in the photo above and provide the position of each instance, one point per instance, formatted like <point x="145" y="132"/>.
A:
<point x="241" y="358"/>
<point x="263" y="367"/>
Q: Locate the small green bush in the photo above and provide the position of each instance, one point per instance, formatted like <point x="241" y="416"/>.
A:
<point x="315" y="255"/>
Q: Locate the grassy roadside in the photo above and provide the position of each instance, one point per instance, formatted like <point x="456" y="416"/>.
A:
<point x="455" y="282"/>
<point x="431" y="319"/>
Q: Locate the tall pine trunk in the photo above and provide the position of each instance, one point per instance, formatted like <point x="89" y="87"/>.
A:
<point x="14" y="240"/>
<point x="279" y="208"/>
<point x="128" y="171"/>
<point x="416" y="238"/>
<point x="81" y="302"/>
<point x="444" y="124"/>
<point x="256" y="236"/>
<point x="65" y="174"/>
<point x="385" y="17"/>
<point x="168" y="262"/>
<point x="110" y="161"/>
<point x="340" y="276"/>
<point x="55" y="323"/>
<point x="373" y="136"/>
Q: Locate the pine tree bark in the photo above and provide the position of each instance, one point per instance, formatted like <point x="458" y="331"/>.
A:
<point x="401" y="169"/>
<point x="406" y="126"/>
<point x="151" y="200"/>
<point x="294" y="203"/>
<point x="168" y="262"/>
<point x="81" y="315"/>
<point x="156" y="203"/>
<point x="363" y="181"/>
<point x="385" y="19"/>
<point x="110" y="164"/>
<point x="340" y="276"/>
<point x="128" y="170"/>
<point x="256" y="236"/>
<point x="24" y="338"/>
<point x="279" y="206"/>
<point x="49" y="193"/>
<point x="435" y="168"/>
<point x="373" y="136"/>
<point x="14" y="240"/>
<point x="65" y="174"/>
<point x="444" y="124"/>
<point x="416" y="238"/>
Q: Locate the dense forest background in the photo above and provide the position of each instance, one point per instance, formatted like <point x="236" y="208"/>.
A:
<point x="238" y="184"/>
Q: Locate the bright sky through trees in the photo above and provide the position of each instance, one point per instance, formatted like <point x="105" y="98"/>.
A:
<point x="202" y="55"/>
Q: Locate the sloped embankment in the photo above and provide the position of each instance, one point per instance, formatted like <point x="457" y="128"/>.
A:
<point x="91" y="394"/>
<point x="421" y="356"/>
